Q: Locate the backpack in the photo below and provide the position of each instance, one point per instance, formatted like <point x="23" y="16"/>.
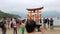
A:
<point x="1" y="24"/>
<point x="12" y="24"/>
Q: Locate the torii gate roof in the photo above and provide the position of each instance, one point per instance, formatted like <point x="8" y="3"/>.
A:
<point x="35" y="9"/>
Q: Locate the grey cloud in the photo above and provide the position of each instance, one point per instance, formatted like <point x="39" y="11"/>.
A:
<point x="21" y="5"/>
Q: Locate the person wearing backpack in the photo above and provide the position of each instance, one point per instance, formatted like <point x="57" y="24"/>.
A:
<point x="14" y="26"/>
<point x="3" y="25"/>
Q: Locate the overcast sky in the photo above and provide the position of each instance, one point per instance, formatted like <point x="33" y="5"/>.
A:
<point x="19" y="6"/>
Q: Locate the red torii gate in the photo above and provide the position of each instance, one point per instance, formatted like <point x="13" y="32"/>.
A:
<point x="35" y="13"/>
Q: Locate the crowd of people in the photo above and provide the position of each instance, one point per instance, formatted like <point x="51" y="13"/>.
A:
<point x="49" y="22"/>
<point x="29" y="24"/>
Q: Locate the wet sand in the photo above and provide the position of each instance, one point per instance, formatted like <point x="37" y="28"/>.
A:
<point x="56" y="31"/>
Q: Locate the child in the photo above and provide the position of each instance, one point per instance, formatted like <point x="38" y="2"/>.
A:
<point x="23" y="26"/>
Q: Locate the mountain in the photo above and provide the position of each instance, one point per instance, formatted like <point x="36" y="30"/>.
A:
<point x="51" y="14"/>
<point x="2" y="14"/>
<point x="44" y="14"/>
<point x="23" y="15"/>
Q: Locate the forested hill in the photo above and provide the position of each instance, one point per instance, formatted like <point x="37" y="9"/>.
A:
<point x="2" y="14"/>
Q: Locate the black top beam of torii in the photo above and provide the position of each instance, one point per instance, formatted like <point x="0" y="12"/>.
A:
<point x="35" y="9"/>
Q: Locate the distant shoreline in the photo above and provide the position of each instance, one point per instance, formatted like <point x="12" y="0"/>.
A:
<point x="56" y="25"/>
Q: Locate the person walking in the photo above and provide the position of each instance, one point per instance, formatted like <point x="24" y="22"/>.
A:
<point x="3" y="25"/>
<point x="14" y="26"/>
<point x="48" y="22"/>
<point x="31" y="27"/>
<point x="23" y="26"/>
<point x="44" y="22"/>
<point x="51" y="23"/>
